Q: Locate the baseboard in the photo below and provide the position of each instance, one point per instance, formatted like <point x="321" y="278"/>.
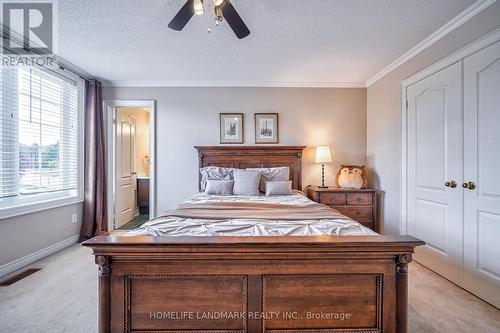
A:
<point x="35" y="256"/>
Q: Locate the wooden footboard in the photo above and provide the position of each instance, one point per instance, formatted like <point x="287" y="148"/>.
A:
<point x="253" y="284"/>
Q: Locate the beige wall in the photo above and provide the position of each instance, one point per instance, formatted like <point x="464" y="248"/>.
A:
<point x="190" y="116"/>
<point x="26" y="234"/>
<point x="384" y="113"/>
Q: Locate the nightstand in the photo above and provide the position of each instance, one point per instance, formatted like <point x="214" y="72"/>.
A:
<point x="360" y="205"/>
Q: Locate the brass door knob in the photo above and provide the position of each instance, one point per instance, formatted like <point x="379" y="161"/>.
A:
<point x="451" y="184"/>
<point x="469" y="185"/>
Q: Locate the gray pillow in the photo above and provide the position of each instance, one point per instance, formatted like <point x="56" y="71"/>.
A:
<point x="272" y="175"/>
<point x="246" y="182"/>
<point x="279" y="188"/>
<point x="222" y="187"/>
<point x="215" y="173"/>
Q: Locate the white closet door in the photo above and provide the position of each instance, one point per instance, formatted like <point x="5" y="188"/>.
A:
<point x="434" y="149"/>
<point x="482" y="167"/>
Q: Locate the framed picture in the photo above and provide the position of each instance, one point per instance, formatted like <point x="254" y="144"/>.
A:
<point x="266" y="128"/>
<point x="231" y="127"/>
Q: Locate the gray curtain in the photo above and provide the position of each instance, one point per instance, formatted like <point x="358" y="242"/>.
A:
<point x="95" y="205"/>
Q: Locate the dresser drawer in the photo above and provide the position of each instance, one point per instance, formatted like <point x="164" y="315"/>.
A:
<point x="359" y="205"/>
<point x="359" y="199"/>
<point x="357" y="213"/>
<point x="332" y="198"/>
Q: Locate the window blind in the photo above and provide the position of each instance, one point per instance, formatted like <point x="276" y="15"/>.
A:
<point x="38" y="135"/>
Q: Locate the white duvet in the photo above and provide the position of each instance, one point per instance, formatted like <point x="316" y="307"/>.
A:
<point x="175" y="226"/>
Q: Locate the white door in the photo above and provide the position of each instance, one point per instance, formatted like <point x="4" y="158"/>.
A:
<point x="482" y="168"/>
<point x="125" y="172"/>
<point x="434" y="149"/>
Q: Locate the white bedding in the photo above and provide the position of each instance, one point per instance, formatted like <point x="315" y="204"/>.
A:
<point x="175" y="226"/>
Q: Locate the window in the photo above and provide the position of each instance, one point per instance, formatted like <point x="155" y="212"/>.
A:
<point x="40" y="139"/>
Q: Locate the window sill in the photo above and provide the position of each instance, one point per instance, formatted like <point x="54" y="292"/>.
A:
<point x="38" y="206"/>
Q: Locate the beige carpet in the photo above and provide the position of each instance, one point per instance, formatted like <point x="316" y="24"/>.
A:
<point x="62" y="297"/>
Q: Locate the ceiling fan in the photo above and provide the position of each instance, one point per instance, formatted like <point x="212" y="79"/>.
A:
<point x="223" y="10"/>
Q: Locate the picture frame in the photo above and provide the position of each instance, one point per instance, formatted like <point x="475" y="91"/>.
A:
<point x="266" y="128"/>
<point x="231" y="128"/>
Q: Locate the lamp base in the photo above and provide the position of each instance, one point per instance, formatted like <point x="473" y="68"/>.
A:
<point x="322" y="177"/>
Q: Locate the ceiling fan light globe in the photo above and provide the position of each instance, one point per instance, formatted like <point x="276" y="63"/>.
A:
<point x="198" y="7"/>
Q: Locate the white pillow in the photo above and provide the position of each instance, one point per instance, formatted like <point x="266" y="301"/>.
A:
<point x="246" y="182"/>
<point x="221" y="187"/>
<point x="215" y="173"/>
<point x="272" y="175"/>
<point x="279" y="188"/>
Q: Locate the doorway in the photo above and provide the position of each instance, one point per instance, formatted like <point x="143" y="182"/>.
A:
<point x="131" y="163"/>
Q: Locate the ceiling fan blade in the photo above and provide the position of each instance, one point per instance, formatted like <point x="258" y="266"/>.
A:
<point x="234" y="20"/>
<point x="183" y="16"/>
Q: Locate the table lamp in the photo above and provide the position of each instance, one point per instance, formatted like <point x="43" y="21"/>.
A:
<point x="323" y="155"/>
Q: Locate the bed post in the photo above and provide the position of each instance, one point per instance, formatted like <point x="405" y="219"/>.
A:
<point x="200" y="165"/>
<point x="402" y="261"/>
<point x="299" y="167"/>
<point x="104" y="263"/>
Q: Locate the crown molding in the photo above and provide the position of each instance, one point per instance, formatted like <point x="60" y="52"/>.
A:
<point x="229" y="84"/>
<point x="473" y="47"/>
<point x="459" y="20"/>
<point x="471" y="11"/>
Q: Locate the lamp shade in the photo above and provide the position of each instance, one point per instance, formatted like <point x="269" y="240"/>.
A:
<point x="323" y="154"/>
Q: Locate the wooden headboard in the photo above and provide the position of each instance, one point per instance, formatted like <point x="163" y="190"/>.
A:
<point x="242" y="157"/>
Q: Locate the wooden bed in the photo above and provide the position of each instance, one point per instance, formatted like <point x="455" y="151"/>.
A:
<point x="253" y="284"/>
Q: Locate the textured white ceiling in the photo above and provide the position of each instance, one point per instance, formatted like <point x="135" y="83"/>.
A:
<point x="292" y="42"/>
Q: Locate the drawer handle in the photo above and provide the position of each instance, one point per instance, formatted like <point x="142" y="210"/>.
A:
<point x="358" y="213"/>
<point x="358" y="199"/>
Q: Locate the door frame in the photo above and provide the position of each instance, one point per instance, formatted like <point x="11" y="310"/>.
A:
<point x="109" y="107"/>
<point x="457" y="56"/>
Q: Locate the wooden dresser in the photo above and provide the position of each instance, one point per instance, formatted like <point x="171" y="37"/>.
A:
<point x="359" y="205"/>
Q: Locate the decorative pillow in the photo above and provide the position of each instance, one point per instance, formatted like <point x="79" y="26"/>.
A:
<point x="222" y="187"/>
<point x="246" y="182"/>
<point x="351" y="176"/>
<point x="272" y="175"/>
<point x="214" y="173"/>
<point x="279" y="188"/>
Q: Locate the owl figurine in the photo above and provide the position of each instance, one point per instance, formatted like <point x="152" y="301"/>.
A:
<point x="351" y="176"/>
